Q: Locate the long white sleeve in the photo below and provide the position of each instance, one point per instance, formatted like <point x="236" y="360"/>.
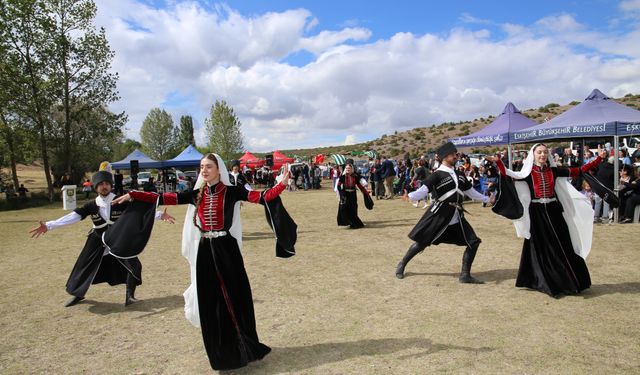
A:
<point x="70" y="218"/>
<point x="420" y="194"/>
<point x="476" y="196"/>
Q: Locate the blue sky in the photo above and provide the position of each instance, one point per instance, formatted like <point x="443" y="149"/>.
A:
<point x="312" y="73"/>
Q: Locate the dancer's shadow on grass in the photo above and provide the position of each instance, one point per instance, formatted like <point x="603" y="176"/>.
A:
<point x="496" y="276"/>
<point x="151" y="306"/>
<point x="389" y="223"/>
<point x="301" y="358"/>
<point x="598" y="290"/>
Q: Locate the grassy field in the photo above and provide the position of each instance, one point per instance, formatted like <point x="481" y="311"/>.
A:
<point x="334" y="308"/>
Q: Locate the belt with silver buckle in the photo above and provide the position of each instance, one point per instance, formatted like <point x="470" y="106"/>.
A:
<point x="543" y="200"/>
<point x="213" y="234"/>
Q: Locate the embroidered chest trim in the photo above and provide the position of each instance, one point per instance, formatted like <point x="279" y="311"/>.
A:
<point x="543" y="182"/>
<point x="211" y="210"/>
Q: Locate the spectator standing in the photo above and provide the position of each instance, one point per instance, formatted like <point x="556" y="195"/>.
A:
<point x="387" y="176"/>
<point x="22" y="191"/>
<point x="86" y="188"/>
<point x="604" y="174"/>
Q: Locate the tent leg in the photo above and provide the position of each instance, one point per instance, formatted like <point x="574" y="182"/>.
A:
<point x="616" y="174"/>
<point x="510" y="153"/>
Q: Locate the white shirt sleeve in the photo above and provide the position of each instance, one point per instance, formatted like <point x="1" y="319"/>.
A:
<point x="420" y="194"/>
<point x="70" y="218"/>
<point x="476" y="196"/>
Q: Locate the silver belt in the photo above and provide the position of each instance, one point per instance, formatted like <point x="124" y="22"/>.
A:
<point x="350" y="190"/>
<point x="213" y="234"/>
<point x="544" y="200"/>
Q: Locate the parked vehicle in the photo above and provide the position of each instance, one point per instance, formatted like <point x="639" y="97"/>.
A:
<point x="143" y="177"/>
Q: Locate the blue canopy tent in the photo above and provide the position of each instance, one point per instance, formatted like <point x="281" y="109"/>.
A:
<point x="189" y="157"/>
<point x="496" y="133"/>
<point x="144" y="162"/>
<point x="598" y="116"/>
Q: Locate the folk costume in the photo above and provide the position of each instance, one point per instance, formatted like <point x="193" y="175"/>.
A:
<point x="557" y="227"/>
<point x="110" y="252"/>
<point x="444" y="221"/>
<point x="219" y="299"/>
<point x="238" y="178"/>
<point x="348" y="207"/>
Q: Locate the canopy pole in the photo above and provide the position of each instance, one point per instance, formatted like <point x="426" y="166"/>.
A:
<point x="510" y="157"/>
<point x="616" y="174"/>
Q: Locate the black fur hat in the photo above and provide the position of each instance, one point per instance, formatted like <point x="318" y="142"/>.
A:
<point x="101" y="176"/>
<point x="446" y="149"/>
<point x="235" y="162"/>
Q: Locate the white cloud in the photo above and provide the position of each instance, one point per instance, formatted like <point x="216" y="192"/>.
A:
<point x="350" y="140"/>
<point x="353" y="86"/>
<point x="630" y="5"/>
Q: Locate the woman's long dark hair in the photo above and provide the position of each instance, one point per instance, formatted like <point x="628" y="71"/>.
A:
<point x="213" y="158"/>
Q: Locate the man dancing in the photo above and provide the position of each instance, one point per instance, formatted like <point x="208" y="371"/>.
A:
<point x="444" y="220"/>
<point x="97" y="262"/>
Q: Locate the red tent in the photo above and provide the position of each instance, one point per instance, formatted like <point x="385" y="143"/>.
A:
<point x="251" y="161"/>
<point x="318" y="159"/>
<point x="279" y="159"/>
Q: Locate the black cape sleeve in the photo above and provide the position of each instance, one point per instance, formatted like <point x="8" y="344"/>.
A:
<point x="603" y="192"/>
<point x="284" y="227"/>
<point x="128" y="236"/>
<point x="507" y="201"/>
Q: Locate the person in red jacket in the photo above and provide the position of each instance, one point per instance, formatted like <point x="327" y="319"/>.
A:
<point x="557" y="224"/>
<point x="219" y="299"/>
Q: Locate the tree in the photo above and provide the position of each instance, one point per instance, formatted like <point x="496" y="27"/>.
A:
<point x="185" y="137"/>
<point x="25" y="31"/>
<point x="157" y="134"/>
<point x="124" y="148"/>
<point x="81" y="59"/>
<point x="223" y="131"/>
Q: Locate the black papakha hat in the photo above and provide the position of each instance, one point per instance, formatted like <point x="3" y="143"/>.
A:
<point x="235" y="162"/>
<point x="101" y="176"/>
<point x="446" y="149"/>
<point x="348" y="161"/>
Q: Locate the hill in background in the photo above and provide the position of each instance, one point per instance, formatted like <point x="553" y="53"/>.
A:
<point x="426" y="139"/>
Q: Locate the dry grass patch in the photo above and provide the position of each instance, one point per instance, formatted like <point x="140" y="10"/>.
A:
<point x="335" y="308"/>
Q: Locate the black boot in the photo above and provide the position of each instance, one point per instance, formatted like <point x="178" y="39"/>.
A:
<point x="467" y="260"/>
<point x="413" y="251"/>
<point x="73" y="301"/>
<point x="131" y="289"/>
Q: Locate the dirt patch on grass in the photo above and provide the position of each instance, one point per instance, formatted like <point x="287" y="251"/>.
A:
<point x="335" y="308"/>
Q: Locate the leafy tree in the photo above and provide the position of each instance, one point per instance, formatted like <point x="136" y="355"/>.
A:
<point x="185" y="137"/>
<point x="223" y="131"/>
<point x="157" y="134"/>
<point x="27" y="91"/>
<point x="124" y="148"/>
<point x="81" y="59"/>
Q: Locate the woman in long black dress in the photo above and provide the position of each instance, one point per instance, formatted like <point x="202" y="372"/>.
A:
<point x="219" y="299"/>
<point x="557" y="225"/>
<point x="347" y="184"/>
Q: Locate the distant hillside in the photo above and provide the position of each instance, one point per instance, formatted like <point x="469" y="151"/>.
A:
<point x="425" y="139"/>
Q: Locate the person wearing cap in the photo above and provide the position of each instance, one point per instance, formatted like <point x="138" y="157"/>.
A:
<point x="96" y="263"/>
<point x="346" y="187"/>
<point x="444" y="221"/>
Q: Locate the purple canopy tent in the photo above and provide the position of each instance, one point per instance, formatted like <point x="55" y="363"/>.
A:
<point x="597" y="116"/>
<point x="496" y="133"/>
